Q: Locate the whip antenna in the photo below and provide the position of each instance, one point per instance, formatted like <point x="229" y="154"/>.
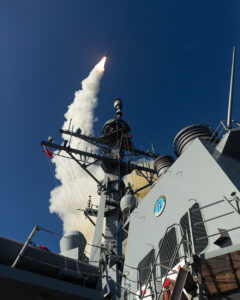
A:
<point x="229" y="117"/>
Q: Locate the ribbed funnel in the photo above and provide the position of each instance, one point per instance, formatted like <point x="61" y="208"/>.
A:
<point x="162" y="163"/>
<point x="187" y="135"/>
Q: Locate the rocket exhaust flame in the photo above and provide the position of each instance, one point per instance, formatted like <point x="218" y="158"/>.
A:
<point x="101" y="64"/>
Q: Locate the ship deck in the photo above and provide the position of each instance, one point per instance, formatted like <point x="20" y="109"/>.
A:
<point x="220" y="271"/>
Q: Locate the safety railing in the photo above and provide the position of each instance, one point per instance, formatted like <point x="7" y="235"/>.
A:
<point x="235" y="210"/>
<point x="151" y="281"/>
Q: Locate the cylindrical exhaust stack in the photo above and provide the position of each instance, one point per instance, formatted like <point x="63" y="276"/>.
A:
<point x="188" y="134"/>
<point x="162" y="164"/>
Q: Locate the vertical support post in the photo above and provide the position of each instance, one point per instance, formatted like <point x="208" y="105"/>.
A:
<point x="180" y="283"/>
<point x="191" y="232"/>
<point x="230" y="100"/>
<point x="20" y="255"/>
<point x="197" y="266"/>
<point x="237" y="204"/>
<point x="200" y="285"/>
<point x="154" y="281"/>
<point x="236" y="210"/>
<point x="140" y="283"/>
<point x="97" y="237"/>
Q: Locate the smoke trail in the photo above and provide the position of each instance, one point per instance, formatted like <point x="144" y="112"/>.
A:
<point x="76" y="185"/>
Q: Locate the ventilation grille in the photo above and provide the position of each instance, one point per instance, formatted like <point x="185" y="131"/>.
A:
<point x="168" y="246"/>
<point x="145" y="266"/>
<point x="198" y="229"/>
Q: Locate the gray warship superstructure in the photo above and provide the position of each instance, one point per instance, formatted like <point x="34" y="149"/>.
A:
<point x="182" y="238"/>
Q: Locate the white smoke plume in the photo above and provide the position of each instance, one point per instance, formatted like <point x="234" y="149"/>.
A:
<point x="75" y="184"/>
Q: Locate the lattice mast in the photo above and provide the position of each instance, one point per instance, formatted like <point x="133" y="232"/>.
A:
<point x="114" y="144"/>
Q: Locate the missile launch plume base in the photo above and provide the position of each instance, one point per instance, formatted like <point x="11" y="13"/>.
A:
<point x="180" y="242"/>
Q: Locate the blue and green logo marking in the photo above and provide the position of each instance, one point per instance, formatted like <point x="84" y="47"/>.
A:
<point x="159" y="206"/>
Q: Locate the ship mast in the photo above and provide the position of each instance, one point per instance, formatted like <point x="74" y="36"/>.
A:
<point x="114" y="144"/>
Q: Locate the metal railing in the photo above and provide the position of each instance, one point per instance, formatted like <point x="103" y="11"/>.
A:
<point x="234" y="211"/>
<point x="151" y="277"/>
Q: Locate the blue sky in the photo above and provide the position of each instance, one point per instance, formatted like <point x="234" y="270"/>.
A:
<point x="169" y="61"/>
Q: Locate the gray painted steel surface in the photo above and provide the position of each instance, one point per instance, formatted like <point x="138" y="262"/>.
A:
<point x="200" y="175"/>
